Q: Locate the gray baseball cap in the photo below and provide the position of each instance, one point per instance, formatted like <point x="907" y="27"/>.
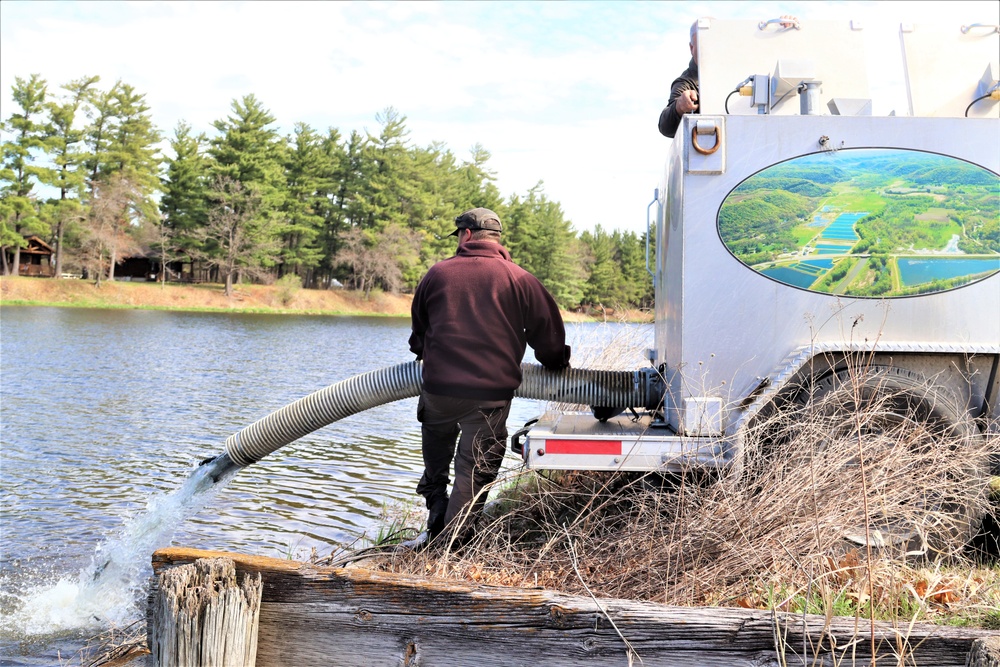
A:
<point x="478" y="218"/>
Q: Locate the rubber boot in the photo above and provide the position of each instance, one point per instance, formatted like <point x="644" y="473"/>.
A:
<point x="435" y="516"/>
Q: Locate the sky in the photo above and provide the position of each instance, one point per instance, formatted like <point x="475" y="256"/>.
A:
<point x="567" y="93"/>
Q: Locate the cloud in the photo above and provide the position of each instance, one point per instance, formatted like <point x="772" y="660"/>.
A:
<point x="565" y="92"/>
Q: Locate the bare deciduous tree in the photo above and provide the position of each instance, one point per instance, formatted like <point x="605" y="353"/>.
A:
<point x="160" y="238"/>
<point x="379" y="257"/>
<point x="237" y="240"/>
<point x="108" y="232"/>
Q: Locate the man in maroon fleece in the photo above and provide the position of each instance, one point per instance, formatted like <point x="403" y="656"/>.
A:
<point x="472" y="316"/>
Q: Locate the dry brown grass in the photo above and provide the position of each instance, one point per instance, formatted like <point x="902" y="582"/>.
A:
<point x="247" y="298"/>
<point x="771" y="535"/>
<point x="210" y="297"/>
<point x="112" y="648"/>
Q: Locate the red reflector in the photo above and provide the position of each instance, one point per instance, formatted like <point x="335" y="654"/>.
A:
<point x="613" y="447"/>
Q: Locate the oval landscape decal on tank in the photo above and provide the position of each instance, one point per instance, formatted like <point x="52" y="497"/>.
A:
<point x="867" y="222"/>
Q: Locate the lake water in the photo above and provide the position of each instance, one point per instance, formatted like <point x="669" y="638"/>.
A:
<point x="106" y="412"/>
<point x="917" y="271"/>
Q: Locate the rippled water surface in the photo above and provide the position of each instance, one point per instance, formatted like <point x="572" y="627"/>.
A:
<point x="106" y="413"/>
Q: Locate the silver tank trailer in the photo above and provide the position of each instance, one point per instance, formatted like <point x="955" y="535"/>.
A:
<point x="743" y="313"/>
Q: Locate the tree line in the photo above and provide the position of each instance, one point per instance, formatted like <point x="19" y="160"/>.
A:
<point x="82" y="169"/>
<point x="759" y="228"/>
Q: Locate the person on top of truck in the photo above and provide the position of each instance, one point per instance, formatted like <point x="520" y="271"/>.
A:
<point x="684" y="90"/>
<point x="472" y="316"/>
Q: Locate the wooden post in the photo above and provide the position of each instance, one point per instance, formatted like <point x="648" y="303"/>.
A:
<point x="318" y="615"/>
<point x="199" y="616"/>
<point x="985" y="652"/>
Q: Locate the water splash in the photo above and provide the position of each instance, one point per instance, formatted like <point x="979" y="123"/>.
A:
<point x="108" y="591"/>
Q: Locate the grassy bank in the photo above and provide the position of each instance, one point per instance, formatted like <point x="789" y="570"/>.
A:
<point x="273" y="299"/>
<point x="204" y="297"/>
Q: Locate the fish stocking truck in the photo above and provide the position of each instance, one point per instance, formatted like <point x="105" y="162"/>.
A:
<point x="814" y="261"/>
<point x="827" y="282"/>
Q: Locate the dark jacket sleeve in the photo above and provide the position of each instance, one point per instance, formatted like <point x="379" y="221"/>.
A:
<point x="544" y="329"/>
<point x="418" y="321"/>
<point x="670" y="120"/>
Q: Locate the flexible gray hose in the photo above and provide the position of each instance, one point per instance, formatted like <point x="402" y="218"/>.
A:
<point x="612" y="389"/>
<point x="362" y="392"/>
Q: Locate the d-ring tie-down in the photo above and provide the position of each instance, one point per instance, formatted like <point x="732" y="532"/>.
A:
<point x="705" y="151"/>
<point x="790" y="22"/>
<point x="989" y="26"/>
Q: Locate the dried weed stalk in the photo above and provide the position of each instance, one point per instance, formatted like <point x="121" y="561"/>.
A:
<point x="113" y="647"/>
<point x="772" y="536"/>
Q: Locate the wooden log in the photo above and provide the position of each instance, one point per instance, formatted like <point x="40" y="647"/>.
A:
<point x="331" y="616"/>
<point x="985" y="652"/>
<point x="198" y="616"/>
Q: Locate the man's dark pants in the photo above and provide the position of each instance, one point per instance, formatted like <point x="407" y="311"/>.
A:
<point x="481" y="449"/>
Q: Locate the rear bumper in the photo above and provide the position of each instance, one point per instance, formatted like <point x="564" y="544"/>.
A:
<point x="577" y="441"/>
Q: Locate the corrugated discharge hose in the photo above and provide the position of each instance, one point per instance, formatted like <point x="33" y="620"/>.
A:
<point x="622" y="389"/>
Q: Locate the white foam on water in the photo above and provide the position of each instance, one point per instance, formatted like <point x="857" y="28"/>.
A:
<point x="111" y="590"/>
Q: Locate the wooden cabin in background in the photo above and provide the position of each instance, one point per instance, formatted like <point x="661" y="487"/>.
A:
<point x="146" y="266"/>
<point x="35" y="260"/>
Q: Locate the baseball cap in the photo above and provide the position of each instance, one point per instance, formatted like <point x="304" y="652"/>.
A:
<point x="478" y="218"/>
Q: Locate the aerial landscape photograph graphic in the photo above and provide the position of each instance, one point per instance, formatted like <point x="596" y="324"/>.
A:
<point x="867" y="222"/>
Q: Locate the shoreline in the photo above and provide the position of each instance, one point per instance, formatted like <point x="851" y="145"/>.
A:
<point x="247" y="299"/>
<point x="204" y="297"/>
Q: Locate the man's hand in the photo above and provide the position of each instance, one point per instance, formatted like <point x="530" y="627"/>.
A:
<point x="686" y="102"/>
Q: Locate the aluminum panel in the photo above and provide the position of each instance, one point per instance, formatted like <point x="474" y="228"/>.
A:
<point x="725" y="326"/>
<point x="731" y="51"/>
<point x="943" y="66"/>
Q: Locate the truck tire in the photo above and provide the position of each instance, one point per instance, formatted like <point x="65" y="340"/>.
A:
<point x="883" y="411"/>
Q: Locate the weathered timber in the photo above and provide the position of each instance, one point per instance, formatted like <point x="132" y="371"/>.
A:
<point x="199" y="616"/>
<point x="332" y="616"/>
<point x="985" y="652"/>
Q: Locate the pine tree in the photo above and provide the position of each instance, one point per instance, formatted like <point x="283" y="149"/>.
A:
<point x="388" y="165"/>
<point x="448" y="187"/>
<point x="122" y="140"/>
<point x="331" y="206"/>
<point x="249" y="152"/>
<point x="428" y="180"/>
<point x="131" y="146"/>
<point x="603" y="286"/>
<point x="20" y="172"/>
<point x="184" y="204"/>
<point x="480" y="180"/>
<point x="637" y="284"/>
<point x="309" y="191"/>
<point x="101" y="111"/>
<point x="543" y="242"/>
<point x="309" y="175"/>
<point x="437" y="201"/>
<point x="70" y="171"/>
<point x="353" y="179"/>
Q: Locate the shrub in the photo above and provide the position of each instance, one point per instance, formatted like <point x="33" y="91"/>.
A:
<point x="286" y="288"/>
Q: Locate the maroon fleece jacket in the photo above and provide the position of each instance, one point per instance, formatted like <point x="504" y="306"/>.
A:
<point x="473" y="314"/>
